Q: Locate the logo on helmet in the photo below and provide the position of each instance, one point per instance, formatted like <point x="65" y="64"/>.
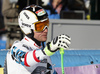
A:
<point x="27" y="25"/>
<point x="40" y="12"/>
<point x="26" y="15"/>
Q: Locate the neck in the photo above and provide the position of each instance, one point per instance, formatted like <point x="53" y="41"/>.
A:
<point x="36" y="41"/>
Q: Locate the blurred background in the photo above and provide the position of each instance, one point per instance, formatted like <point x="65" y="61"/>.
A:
<point x="56" y="9"/>
<point x="77" y="18"/>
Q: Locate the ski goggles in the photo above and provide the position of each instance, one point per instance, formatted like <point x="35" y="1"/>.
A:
<point x="40" y="26"/>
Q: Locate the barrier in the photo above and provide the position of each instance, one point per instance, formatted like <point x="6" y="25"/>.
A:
<point x="75" y="61"/>
<point x="78" y="62"/>
<point x="88" y="69"/>
<point x="2" y="57"/>
<point x="2" y="44"/>
<point x="73" y="58"/>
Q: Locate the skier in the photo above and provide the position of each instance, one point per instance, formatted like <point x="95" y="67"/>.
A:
<point x="31" y="55"/>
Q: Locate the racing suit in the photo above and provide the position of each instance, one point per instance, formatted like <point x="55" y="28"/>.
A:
<point x="26" y="57"/>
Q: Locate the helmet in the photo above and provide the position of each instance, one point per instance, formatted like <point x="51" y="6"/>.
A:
<point x="30" y="16"/>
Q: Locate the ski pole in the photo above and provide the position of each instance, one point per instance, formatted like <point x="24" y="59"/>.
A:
<point x="62" y="64"/>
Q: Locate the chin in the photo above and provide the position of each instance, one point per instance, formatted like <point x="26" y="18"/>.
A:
<point x="44" y="40"/>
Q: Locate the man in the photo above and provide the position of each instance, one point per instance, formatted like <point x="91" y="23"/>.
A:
<point x="30" y="56"/>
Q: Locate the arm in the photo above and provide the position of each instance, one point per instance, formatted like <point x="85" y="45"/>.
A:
<point x="61" y="41"/>
<point x="23" y="54"/>
<point x="30" y="58"/>
<point x="25" y="57"/>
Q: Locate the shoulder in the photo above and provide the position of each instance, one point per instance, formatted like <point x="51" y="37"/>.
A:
<point x="18" y="45"/>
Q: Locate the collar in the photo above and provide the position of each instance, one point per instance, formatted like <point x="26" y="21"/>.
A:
<point x="30" y="42"/>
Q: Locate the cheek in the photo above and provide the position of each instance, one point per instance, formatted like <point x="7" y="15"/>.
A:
<point x="40" y="36"/>
<point x="37" y="36"/>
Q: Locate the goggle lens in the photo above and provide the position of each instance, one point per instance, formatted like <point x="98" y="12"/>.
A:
<point x="39" y="26"/>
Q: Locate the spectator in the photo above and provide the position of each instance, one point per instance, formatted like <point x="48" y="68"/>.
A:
<point x="55" y="7"/>
<point x="10" y="11"/>
<point x="11" y="8"/>
<point x="59" y="5"/>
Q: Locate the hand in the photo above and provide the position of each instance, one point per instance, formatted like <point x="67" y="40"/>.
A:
<point x="61" y="41"/>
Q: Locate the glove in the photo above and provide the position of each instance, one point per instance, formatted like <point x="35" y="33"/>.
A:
<point x="61" y="41"/>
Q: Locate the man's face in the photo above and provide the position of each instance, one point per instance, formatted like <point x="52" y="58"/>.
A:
<point x="41" y="36"/>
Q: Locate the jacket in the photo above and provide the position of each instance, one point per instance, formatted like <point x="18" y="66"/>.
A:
<point x="26" y="57"/>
